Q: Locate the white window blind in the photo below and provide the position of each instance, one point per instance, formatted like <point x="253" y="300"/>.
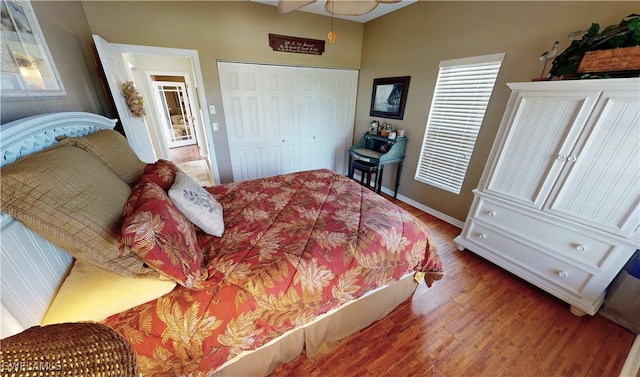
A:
<point x="459" y="102"/>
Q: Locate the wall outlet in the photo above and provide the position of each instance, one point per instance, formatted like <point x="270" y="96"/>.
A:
<point x="214" y="126"/>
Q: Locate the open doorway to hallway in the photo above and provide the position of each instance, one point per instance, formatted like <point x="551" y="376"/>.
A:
<point x="122" y="63"/>
<point x="176" y="112"/>
<point x="175" y="109"/>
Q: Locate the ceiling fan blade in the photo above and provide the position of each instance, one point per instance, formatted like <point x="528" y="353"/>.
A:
<point x="285" y="6"/>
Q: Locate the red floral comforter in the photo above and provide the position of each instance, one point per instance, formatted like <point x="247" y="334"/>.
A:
<point x="294" y="246"/>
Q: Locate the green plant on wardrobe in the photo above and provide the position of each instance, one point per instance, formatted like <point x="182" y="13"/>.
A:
<point x="624" y="34"/>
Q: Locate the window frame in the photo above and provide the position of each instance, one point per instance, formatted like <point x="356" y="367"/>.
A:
<point x="455" y="117"/>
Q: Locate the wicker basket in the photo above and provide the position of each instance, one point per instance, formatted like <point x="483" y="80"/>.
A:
<point x="67" y="349"/>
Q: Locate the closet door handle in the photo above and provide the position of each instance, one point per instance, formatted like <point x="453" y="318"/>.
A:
<point x="561" y="157"/>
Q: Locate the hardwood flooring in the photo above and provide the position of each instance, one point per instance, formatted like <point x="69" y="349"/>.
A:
<point x="479" y="320"/>
<point x="185" y="154"/>
<point x="189" y="160"/>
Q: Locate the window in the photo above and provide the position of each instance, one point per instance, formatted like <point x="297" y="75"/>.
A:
<point x="460" y="99"/>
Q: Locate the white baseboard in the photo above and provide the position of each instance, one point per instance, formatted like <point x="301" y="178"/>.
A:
<point x="631" y="367"/>
<point x="435" y="213"/>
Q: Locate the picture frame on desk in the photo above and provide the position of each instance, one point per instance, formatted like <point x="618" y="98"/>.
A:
<point x="389" y="97"/>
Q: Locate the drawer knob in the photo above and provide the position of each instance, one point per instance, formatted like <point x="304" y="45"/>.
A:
<point x="482" y="236"/>
<point x="581" y="248"/>
<point x="563" y="274"/>
<point x="492" y="213"/>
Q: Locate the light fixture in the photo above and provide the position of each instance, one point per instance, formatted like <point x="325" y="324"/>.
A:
<point x="331" y="36"/>
<point x="344" y="8"/>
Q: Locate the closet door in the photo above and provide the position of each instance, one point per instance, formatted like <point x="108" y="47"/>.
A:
<point x="600" y="187"/>
<point x="544" y="127"/>
<point x="260" y="120"/>
<point x="283" y="119"/>
<point x="327" y="113"/>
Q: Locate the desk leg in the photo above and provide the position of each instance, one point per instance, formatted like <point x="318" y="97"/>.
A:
<point x="350" y="175"/>
<point x="398" y="175"/>
<point x="378" y="184"/>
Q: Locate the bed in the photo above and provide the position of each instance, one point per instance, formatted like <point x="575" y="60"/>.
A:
<point x="234" y="278"/>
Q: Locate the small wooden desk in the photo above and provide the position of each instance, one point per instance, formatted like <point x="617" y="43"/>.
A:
<point x="381" y="151"/>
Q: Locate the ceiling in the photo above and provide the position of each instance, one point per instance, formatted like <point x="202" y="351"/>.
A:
<point x="318" y="8"/>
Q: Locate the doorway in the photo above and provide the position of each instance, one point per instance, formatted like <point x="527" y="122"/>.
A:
<point x="173" y="102"/>
<point x="174" y="105"/>
<point x="143" y="65"/>
<point x="175" y="108"/>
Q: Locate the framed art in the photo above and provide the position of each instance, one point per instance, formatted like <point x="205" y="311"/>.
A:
<point x="27" y="69"/>
<point x="389" y="97"/>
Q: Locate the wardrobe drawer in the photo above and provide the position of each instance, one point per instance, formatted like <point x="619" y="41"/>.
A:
<point x="564" y="275"/>
<point x="556" y="237"/>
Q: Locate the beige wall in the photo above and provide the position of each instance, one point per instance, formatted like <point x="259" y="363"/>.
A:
<point x="68" y="36"/>
<point x="223" y="30"/>
<point x="413" y="40"/>
<point x="410" y="42"/>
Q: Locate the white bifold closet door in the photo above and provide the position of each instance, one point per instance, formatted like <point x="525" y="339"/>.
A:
<point x="282" y="119"/>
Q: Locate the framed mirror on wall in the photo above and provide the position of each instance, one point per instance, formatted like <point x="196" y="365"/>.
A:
<point x="27" y="69"/>
<point x="389" y="97"/>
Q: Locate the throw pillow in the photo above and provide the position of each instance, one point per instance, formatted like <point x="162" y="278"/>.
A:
<point x="162" y="236"/>
<point x="197" y="205"/>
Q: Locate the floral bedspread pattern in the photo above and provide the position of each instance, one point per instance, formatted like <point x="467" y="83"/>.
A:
<point x="294" y="247"/>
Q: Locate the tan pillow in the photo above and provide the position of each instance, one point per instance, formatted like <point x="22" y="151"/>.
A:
<point x="114" y="151"/>
<point x="72" y="199"/>
<point x="93" y="294"/>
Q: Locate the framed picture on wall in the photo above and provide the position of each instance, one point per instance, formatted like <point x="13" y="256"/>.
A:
<point x="27" y="69"/>
<point x="389" y="97"/>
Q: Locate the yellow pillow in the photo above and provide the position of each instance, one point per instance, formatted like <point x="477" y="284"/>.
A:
<point x="92" y="294"/>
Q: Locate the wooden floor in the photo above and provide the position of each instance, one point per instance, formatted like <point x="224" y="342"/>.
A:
<point x="477" y="321"/>
<point x="185" y="154"/>
<point x="189" y="161"/>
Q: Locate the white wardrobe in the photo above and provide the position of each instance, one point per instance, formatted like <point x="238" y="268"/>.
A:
<point x="558" y="202"/>
<point x="282" y="119"/>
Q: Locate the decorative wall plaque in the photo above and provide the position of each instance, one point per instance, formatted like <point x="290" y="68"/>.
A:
<point x="284" y="43"/>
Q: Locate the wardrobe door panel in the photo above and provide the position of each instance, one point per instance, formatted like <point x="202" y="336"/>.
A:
<point x="544" y="127"/>
<point x="601" y="186"/>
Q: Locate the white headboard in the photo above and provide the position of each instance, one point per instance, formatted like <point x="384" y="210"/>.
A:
<point x="31" y="268"/>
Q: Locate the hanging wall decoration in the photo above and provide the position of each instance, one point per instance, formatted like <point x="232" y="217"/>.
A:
<point x="134" y="100"/>
<point x="285" y="43"/>
<point x="26" y="67"/>
<point x="389" y="97"/>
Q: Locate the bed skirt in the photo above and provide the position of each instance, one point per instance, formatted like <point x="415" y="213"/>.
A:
<point x="317" y="338"/>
